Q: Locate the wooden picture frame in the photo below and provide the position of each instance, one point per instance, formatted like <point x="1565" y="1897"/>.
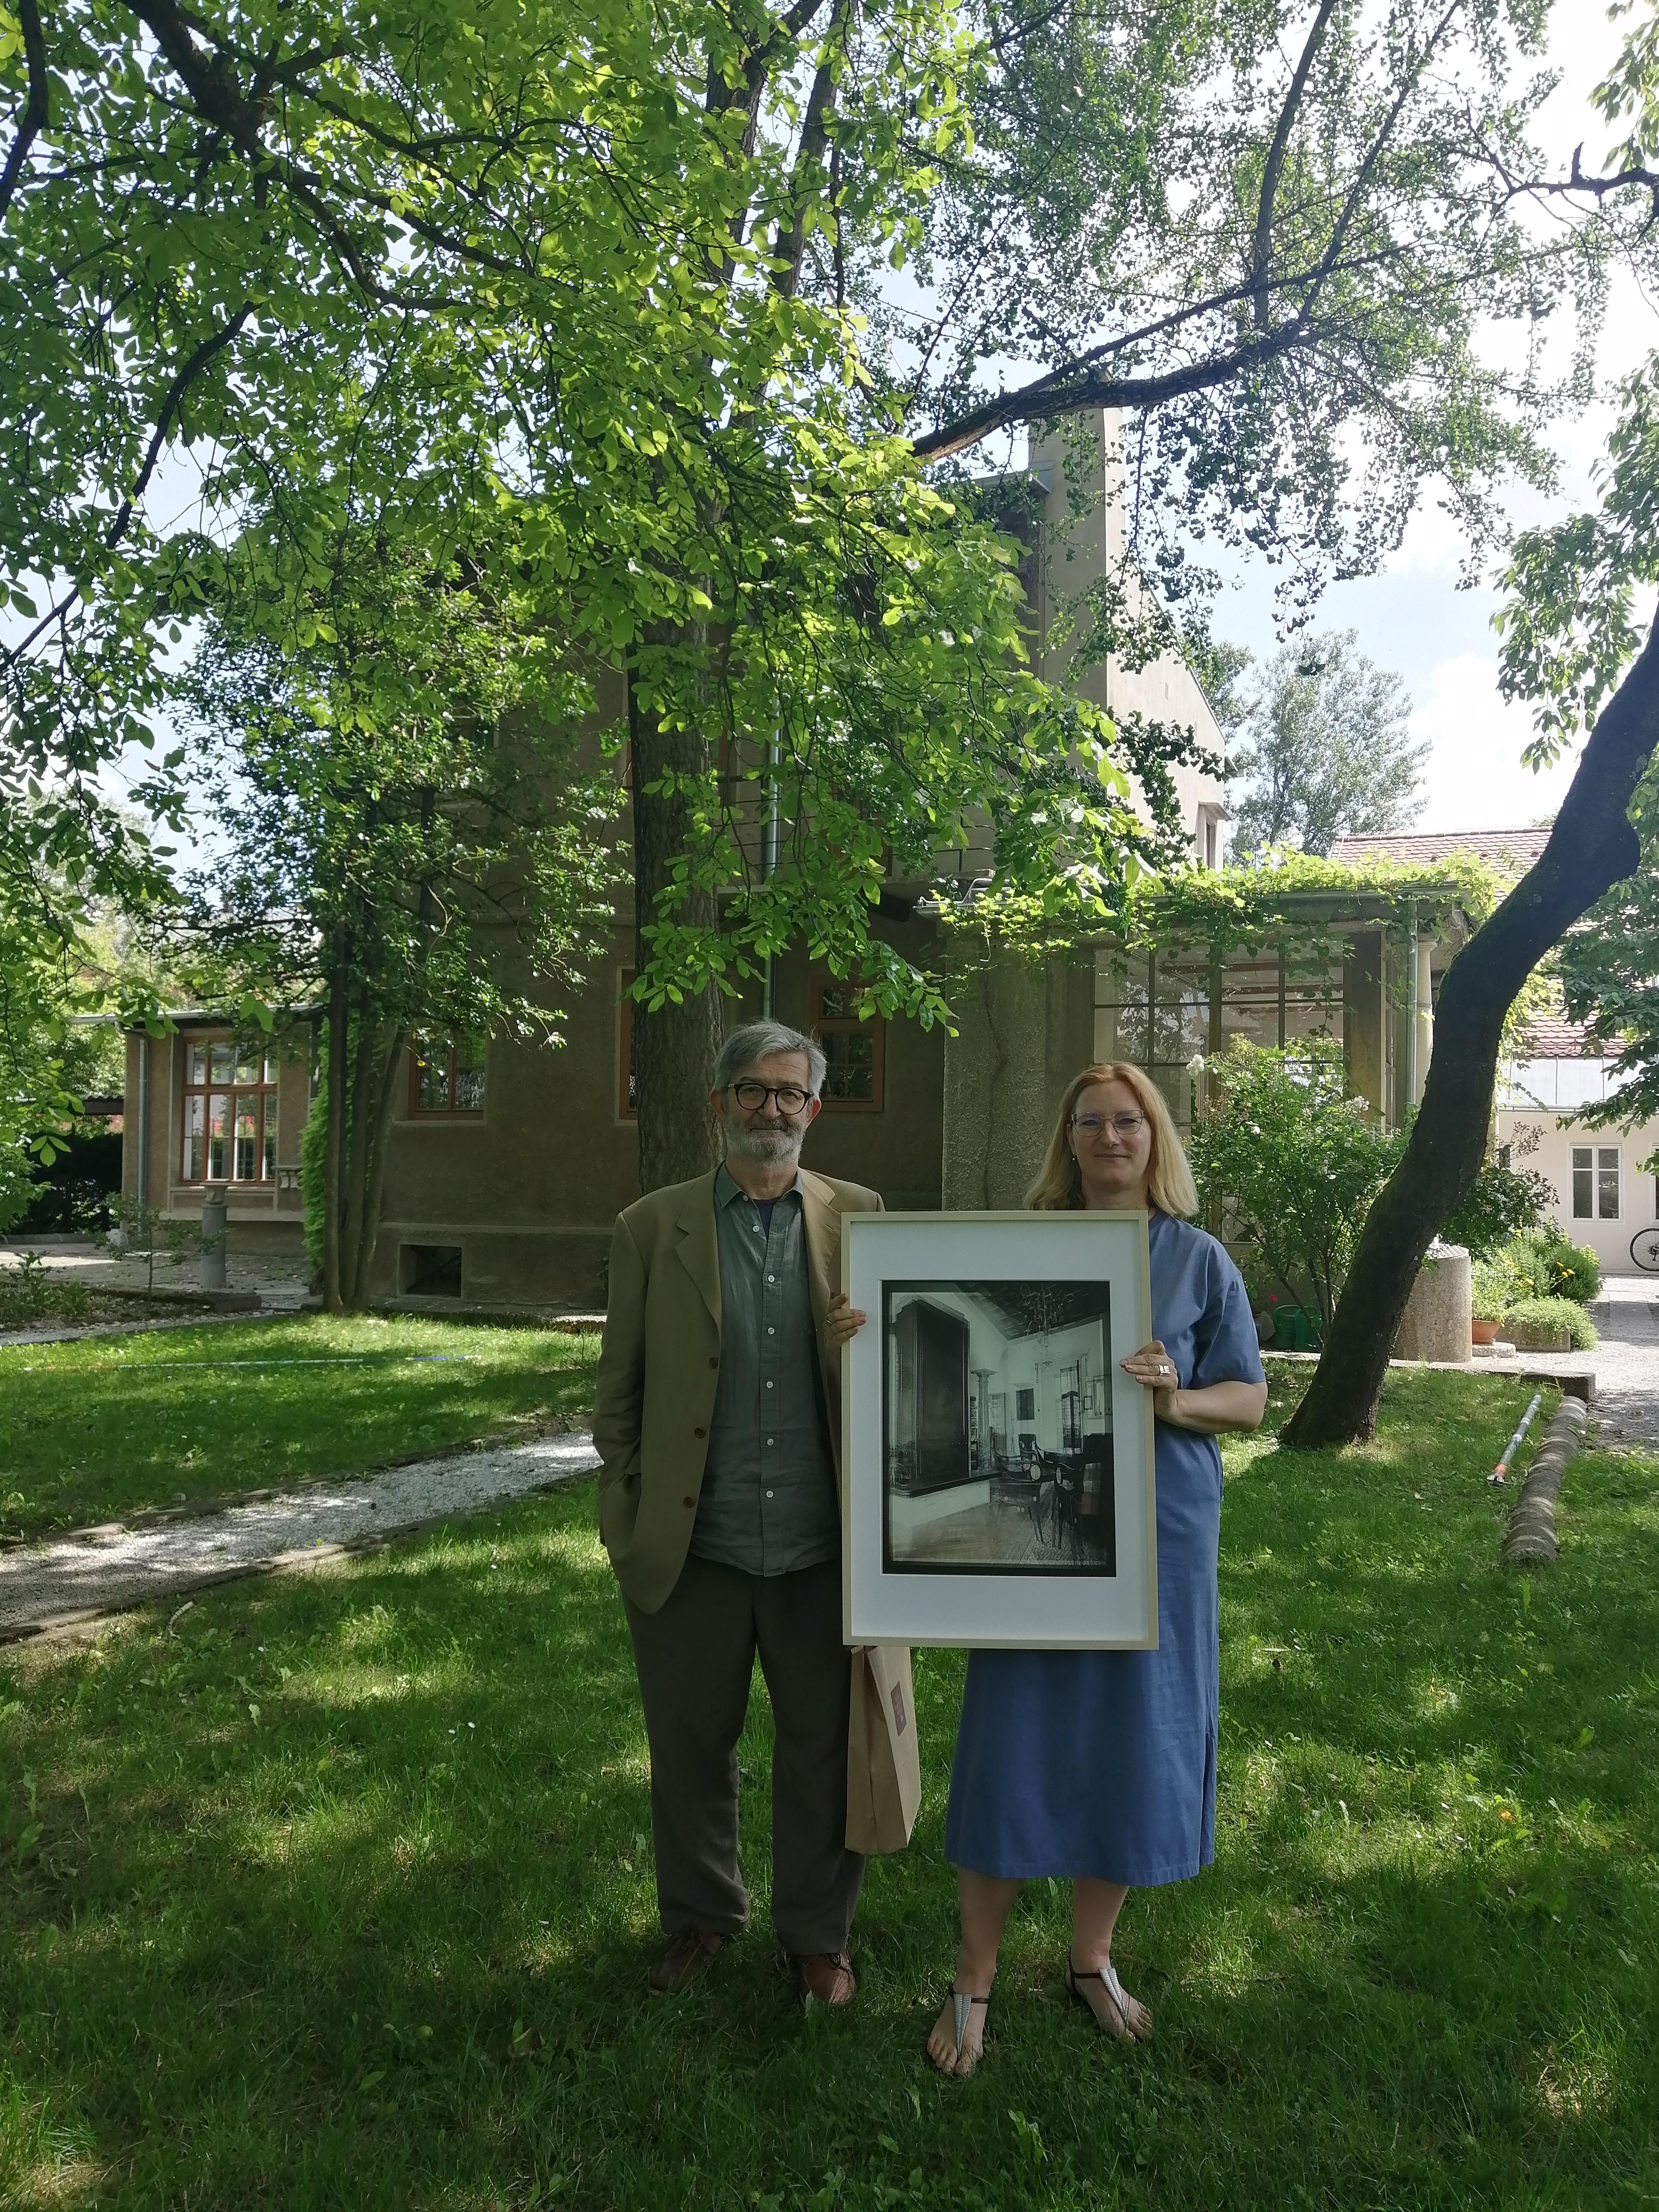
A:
<point x="1041" y="1532"/>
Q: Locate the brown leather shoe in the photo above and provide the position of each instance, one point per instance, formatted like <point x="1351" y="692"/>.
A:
<point x="824" y="1978"/>
<point x="690" y="1953"/>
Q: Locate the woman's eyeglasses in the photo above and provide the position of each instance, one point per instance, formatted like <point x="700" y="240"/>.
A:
<point x="751" y="1095"/>
<point x="1125" y="1125"/>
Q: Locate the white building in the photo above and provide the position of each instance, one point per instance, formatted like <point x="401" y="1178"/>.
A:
<point x="1605" y="1197"/>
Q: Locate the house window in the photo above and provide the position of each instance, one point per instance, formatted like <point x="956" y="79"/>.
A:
<point x="853" y="1050"/>
<point x="1607" y="1181"/>
<point x="229" y="1112"/>
<point x="446" y="1076"/>
<point x="1595" y="1183"/>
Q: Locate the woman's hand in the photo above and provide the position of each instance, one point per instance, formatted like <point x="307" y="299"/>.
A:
<point x="1213" y="1411"/>
<point x="843" y="1319"/>
<point x="1152" y="1366"/>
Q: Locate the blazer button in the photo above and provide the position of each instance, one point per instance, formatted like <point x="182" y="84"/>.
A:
<point x="700" y="1432"/>
<point x="713" y="1363"/>
<point x="690" y="1503"/>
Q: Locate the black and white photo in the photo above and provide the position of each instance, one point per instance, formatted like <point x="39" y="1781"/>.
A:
<point x="997" y="1419"/>
<point x="998" y="1487"/>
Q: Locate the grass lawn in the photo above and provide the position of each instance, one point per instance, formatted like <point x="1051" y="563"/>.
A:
<point x="106" y="1427"/>
<point x="340" y="1894"/>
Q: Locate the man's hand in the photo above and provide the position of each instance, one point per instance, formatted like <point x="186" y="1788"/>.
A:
<point x="843" y="1319"/>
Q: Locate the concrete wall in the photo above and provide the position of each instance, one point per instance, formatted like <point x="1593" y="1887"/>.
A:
<point x="1085" y="463"/>
<point x="1023" y="1030"/>
<point x="529" y="1188"/>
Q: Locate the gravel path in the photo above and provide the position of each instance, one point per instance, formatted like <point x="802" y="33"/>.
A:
<point x="1625" y="1363"/>
<point x="102" y="1570"/>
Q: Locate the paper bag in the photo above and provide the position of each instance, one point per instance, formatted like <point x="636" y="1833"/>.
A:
<point x="884" y="1766"/>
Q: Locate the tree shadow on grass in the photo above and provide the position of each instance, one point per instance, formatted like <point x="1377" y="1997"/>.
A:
<point x="384" y="1941"/>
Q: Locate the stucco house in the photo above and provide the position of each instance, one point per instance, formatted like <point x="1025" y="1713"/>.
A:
<point x="504" y="1174"/>
<point x="1605" y="1196"/>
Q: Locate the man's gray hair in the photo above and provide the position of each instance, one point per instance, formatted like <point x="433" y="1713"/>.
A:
<point x="758" y="1040"/>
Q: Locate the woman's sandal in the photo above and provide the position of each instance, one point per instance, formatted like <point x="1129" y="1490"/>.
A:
<point x="962" y="2008"/>
<point x="1116" y="1996"/>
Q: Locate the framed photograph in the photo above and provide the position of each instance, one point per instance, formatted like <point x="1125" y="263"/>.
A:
<point x="998" y="1462"/>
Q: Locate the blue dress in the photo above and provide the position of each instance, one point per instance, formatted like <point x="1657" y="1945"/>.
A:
<point x="1103" y="1763"/>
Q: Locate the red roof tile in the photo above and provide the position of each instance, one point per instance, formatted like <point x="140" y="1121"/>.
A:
<point x="1510" y="851"/>
<point x="1553" y="1036"/>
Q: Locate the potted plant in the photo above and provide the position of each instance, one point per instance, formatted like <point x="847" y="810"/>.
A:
<point x="1492" y="1292"/>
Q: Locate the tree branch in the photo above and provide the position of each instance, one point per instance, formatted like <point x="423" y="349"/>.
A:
<point x="207" y="350"/>
<point x="1262" y="251"/>
<point x="809" y="154"/>
<point x="36" y="107"/>
<point x="1064" y="391"/>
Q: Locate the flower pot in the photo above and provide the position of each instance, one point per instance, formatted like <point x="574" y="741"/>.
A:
<point x="1483" y="1331"/>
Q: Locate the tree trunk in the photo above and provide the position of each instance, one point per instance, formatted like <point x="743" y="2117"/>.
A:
<point x="1591" y="847"/>
<point x="365" y="1097"/>
<point x="377" y="1111"/>
<point x="334" y="1153"/>
<point x="673" y="1049"/>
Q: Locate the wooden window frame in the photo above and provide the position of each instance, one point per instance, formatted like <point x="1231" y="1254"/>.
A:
<point x="451" y="1112"/>
<point x="264" y="1088"/>
<point x="825" y="1026"/>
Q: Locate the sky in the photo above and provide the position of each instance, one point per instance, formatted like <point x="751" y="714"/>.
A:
<point x="1412" y="617"/>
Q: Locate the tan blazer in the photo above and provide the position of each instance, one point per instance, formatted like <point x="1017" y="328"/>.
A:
<point x="654" y="1398"/>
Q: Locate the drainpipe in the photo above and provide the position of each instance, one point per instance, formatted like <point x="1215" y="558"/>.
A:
<point x="143" y="1118"/>
<point x="769" y="866"/>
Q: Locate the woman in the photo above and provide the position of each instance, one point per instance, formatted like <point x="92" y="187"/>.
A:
<point x="1101" y="1764"/>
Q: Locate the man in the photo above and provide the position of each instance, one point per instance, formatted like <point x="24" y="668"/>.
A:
<point x="717" y="1417"/>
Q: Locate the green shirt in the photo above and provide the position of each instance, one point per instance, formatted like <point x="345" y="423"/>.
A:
<point x="768" y="1504"/>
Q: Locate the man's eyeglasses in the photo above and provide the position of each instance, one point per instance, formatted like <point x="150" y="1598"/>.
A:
<point x="1126" y="1125"/>
<point x="752" y="1096"/>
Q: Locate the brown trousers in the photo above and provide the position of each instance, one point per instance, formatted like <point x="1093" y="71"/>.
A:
<point x="696" y="1659"/>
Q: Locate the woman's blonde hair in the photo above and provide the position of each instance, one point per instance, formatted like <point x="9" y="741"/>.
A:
<point x="1170" y="1186"/>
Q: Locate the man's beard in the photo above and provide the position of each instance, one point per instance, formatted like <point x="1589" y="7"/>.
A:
<point x="762" y="1145"/>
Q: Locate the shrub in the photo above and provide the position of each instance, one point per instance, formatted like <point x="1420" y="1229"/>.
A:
<point x="1493" y="1289"/>
<point x="1500" y="1204"/>
<point x="1289" y="1164"/>
<point x="30" y="1292"/>
<point x="1553" y="1314"/>
<point x="1547" y="1266"/>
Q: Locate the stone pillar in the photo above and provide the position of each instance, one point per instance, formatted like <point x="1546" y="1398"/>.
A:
<point x="215" y="1210"/>
<point x="1436" y="1322"/>
<point x="1025" y="1027"/>
<point x="1364" y="1009"/>
<point x="1425" y="1012"/>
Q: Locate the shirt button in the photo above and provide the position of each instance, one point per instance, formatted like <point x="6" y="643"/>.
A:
<point x="769" y="1386"/>
<point x="768" y="1493"/>
<point x="771" y="1278"/>
<point x="771" y="1332"/>
<point x="768" y="1440"/>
